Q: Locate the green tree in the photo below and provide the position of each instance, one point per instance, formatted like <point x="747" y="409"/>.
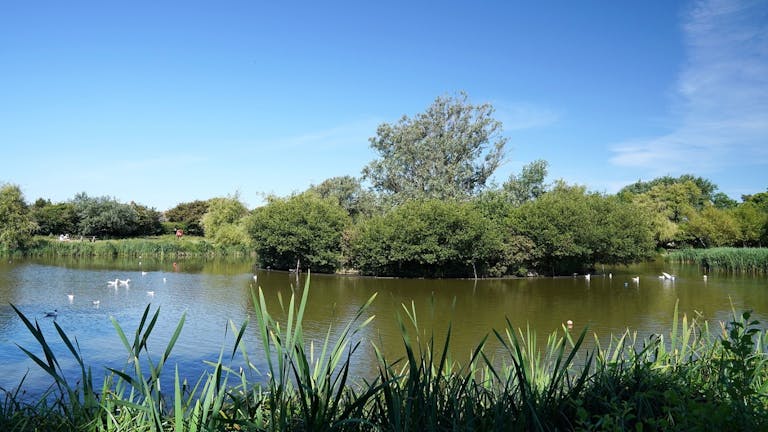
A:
<point x="54" y="219"/>
<point x="188" y="216"/>
<point x="350" y="195"/>
<point x="712" y="227"/>
<point x="16" y="225"/>
<point x="447" y="152"/>
<point x="723" y="201"/>
<point x="225" y="221"/>
<point x="753" y="223"/>
<point x="705" y="195"/>
<point x="529" y="185"/>
<point x="573" y="230"/>
<point x="431" y="238"/>
<point x="147" y="220"/>
<point x="759" y="199"/>
<point x="104" y="216"/>
<point x="303" y="230"/>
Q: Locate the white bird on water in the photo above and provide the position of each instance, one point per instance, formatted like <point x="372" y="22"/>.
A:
<point x="143" y="273"/>
<point x="96" y="302"/>
<point x="151" y="293"/>
<point x="71" y="297"/>
<point x="124" y="282"/>
<point x="636" y="279"/>
<point x="113" y="283"/>
<point x="587" y="276"/>
<point x="52" y="314"/>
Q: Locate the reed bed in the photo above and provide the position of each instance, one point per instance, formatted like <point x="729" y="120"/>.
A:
<point x="734" y="260"/>
<point x="161" y="247"/>
<point x="693" y="378"/>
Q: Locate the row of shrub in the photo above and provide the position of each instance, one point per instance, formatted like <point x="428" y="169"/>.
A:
<point x="694" y="378"/>
<point x="565" y="230"/>
<point x="748" y="260"/>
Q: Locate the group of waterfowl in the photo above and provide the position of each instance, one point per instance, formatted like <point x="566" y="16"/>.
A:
<point x="96" y="302"/>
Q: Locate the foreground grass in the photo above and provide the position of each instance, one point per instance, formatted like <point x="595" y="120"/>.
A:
<point x="160" y="247"/>
<point x="748" y="260"/>
<point x="694" y="378"/>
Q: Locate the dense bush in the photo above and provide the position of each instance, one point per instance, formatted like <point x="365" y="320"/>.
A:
<point x="573" y="230"/>
<point x="303" y="230"/>
<point x="429" y="238"/>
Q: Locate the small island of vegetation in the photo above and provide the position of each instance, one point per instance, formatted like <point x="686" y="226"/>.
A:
<point x="424" y="208"/>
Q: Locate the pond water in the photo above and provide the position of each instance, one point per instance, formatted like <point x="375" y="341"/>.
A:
<point x="211" y="294"/>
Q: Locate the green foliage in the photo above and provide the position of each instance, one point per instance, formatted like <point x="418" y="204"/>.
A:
<point x="753" y="223"/>
<point x="104" y="217"/>
<point x="573" y="230"/>
<point x="350" y="195"/>
<point x="529" y="185"/>
<point x="162" y="247"/>
<point x="54" y="219"/>
<point x="16" y="225"/>
<point x="711" y="227"/>
<point x="702" y="192"/>
<point x="430" y="238"/>
<point x="447" y="152"/>
<point x="303" y="230"/>
<point x="758" y="199"/>
<point x="225" y="221"/>
<point x="188" y="216"/>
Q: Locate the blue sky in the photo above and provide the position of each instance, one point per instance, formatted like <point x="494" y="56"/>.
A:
<point x="168" y="102"/>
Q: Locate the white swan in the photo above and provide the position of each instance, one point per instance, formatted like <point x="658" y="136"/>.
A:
<point x="143" y="273"/>
<point x="71" y="297"/>
<point x="113" y="283"/>
<point x="124" y="282"/>
<point x="151" y="293"/>
<point x="52" y="314"/>
<point x="587" y="276"/>
<point x="636" y="279"/>
<point x="96" y="302"/>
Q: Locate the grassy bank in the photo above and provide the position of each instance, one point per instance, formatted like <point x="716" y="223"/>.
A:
<point x="693" y="378"/>
<point x="749" y="260"/>
<point x="160" y="247"/>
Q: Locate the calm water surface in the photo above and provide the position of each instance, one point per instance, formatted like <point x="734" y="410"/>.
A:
<point x="215" y="294"/>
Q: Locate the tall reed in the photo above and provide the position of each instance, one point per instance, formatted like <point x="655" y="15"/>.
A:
<point x="747" y="260"/>
<point x="162" y="247"/>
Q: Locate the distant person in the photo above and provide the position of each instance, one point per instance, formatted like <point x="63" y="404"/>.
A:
<point x="179" y="233"/>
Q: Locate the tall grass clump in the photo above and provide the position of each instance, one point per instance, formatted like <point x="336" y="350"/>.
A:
<point x="735" y="260"/>
<point x="693" y="378"/>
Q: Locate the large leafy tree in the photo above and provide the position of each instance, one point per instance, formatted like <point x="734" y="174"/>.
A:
<point x="349" y="193"/>
<point x="573" y="230"/>
<point x="529" y="184"/>
<point x="16" y="225"/>
<point x="225" y="220"/>
<point x="706" y="189"/>
<point x="59" y="218"/>
<point x="188" y="216"/>
<point x="104" y="216"/>
<point x="432" y="238"/>
<point x="303" y="229"/>
<point x="147" y="220"/>
<point x="712" y="227"/>
<point x="447" y="152"/>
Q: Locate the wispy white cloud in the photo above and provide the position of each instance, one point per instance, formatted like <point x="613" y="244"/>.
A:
<point x="721" y="119"/>
<point x="517" y="116"/>
<point x="353" y="133"/>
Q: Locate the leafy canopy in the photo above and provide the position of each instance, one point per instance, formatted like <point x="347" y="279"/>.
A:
<point x="447" y="152"/>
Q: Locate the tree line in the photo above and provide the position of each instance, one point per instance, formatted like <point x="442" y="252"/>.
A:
<point x="425" y="207"/>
